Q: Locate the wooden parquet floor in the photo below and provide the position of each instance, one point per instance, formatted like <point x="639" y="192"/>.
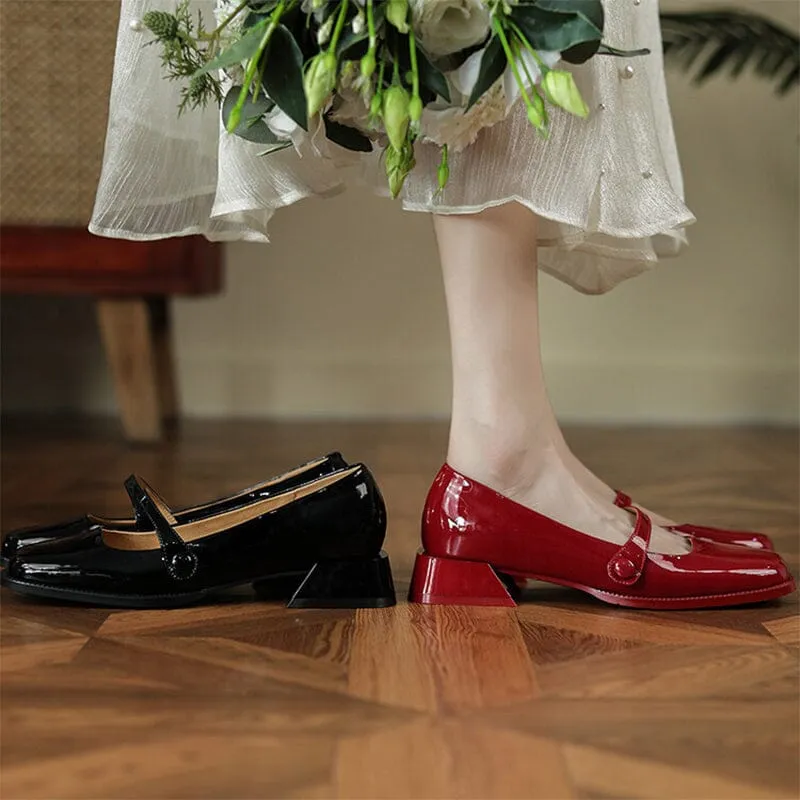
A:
<point x="562" y="697"/>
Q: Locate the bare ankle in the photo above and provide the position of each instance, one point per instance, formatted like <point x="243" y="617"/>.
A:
<point x="506" y="460"/>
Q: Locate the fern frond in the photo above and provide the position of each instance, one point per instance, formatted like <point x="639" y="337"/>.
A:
<point x="708" y="43"/>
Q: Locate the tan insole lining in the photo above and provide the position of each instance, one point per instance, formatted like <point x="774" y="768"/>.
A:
<point x="107" y="522"/>
<point x="125" y="540"/>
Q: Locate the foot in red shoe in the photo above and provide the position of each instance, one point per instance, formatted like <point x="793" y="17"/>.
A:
<point x="473" y="536"/>
<point x="757" y="541"/>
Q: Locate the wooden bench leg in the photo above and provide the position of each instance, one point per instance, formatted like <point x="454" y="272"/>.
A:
<point x="127" y="331"/>
<point x="161" y="329"/>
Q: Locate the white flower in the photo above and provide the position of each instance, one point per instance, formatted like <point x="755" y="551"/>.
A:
<point x="325" y="30"/>
<point x="448" y="26"/>
<point x="285" y="128"/>
<point x="459" y="128"/>
<point x="359" y="23"/>
<point x="462" y="80"/>
<point x="314" y="7"/>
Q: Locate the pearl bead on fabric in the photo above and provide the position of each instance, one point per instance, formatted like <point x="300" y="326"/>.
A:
<point x="628" y="72"/>
<point x="136" y="25"/>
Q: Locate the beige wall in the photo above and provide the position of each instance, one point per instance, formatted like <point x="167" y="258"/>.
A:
<point x="343" y="314"/>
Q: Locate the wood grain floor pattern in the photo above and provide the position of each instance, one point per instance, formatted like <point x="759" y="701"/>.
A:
<point x="561" y="698"/>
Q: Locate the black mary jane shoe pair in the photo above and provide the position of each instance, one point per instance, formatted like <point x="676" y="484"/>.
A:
<point x="312" y="536"/>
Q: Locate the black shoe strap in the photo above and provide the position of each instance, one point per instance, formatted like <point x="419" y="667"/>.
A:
<point x="180" y="561"/>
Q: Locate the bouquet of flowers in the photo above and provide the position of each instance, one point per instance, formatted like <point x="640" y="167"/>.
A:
<point x="380" y="73"/>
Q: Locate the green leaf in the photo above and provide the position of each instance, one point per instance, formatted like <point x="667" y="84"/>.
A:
<point x="607" y="50"/>
<point x="276" y="149"/>
<point x="252" y="19"/>
<point x="239" y="52"/>
<point x="263" y="6"/>
<point x="283" y="76"/>
<point x="432" y="78"/>
<point x="348" y="44"/>
<point x="580" y="53"/>
<point x="493" y="65"/>
<point x="252" y="127"/>
<point x="259" y="12"/>
<point x="592" y="10"/>
<point x="347" y="137"/>
<point x="549" y="30"/>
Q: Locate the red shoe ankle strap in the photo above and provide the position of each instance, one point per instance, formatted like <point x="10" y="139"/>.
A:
<point x="622" y="500"/>
<point x="627" y="564"/>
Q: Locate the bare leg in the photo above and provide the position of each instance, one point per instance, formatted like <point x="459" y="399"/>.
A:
<point x="503" y="431"/>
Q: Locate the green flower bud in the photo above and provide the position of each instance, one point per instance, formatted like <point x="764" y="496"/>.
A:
<point x="319" y="81"/>
<point x="162" y="24"/>
<point x="399" y="164"/>
<point x="395" y="115"/>
<point x="376" y="105"/>
<point x="397" y="14"/>
<point x="368" y="64"/>
<point x="443" y="173"/>
<point x="535" y="117"/>
<point x="562" y="91"/>
<point x="397" y="179"/>
<point x="393" y="158"/>
<point x="415" y="108"/>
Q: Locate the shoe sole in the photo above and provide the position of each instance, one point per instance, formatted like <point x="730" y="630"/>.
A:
<point x="682" y="603"/>
<point x="494" y="587"/>
<point x="325" y="585"/>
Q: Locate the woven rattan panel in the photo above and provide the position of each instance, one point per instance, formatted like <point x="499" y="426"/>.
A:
<point x="56" y="61"/>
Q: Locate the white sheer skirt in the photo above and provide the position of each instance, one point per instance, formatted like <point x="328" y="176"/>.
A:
<point x="608" y="190"/>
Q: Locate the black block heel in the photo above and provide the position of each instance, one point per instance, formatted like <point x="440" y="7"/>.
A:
<point x="279" y="587"/>
<point x="365" y="583"/>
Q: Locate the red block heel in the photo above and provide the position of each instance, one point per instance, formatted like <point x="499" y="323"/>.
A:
<point x="447" y="581"/>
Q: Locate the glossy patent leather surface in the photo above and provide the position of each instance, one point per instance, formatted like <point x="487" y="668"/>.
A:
<point x="345" y="521"/>
<point x="72" y="532"/>
<point x="757" y="541"/>
<point x="79" y="533"/>
<point x="466" y="521"/>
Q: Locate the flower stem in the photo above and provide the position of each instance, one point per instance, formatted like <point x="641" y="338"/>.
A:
<point x="512" y="62"/>
<point x="381" y="71"/>
<point x="373" y="36"/>
<point x="337" y="31"/>
<point x="412" y="51"/>
<point x="516" y="49"/>
<point x="528" y="46"/>
<point x="252" y="67"/>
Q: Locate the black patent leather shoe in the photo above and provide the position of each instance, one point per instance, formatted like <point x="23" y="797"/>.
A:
<point x="82" y="532"/>
<point x="322" y="538"/>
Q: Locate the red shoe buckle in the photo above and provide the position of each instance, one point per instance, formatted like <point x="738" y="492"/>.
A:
<point x="627" y="564"/>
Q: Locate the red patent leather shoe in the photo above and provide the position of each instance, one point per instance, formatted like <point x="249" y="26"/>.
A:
<point x="757" y="541"/>
<point x="477" y="542"/>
